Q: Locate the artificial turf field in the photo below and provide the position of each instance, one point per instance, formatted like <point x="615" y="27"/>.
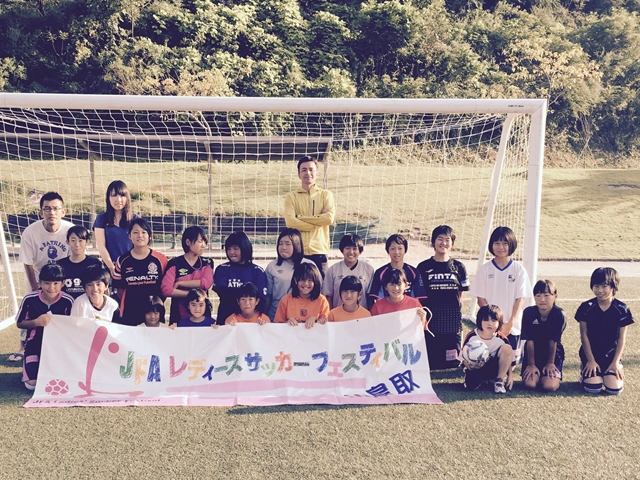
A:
<point x="522" y="434"/>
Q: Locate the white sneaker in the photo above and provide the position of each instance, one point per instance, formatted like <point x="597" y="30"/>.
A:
<point x="31" y="388"/>
<point x="498" y="387"/>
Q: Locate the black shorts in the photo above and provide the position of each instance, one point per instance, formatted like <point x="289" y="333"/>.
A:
<point x="603" y="361"/>
<point x="473" y="379"/>
<point x="558" y="361"/>
<point x="443" y="350"/>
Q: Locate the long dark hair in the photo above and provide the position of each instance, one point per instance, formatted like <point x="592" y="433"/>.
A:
<point x="240" y="240"/>
<point x="119" y="188"/>
<point x="196" y="294"/>
<point x="306" y="271"/>
<point x="296" y="240"/>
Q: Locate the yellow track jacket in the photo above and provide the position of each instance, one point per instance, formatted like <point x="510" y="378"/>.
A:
<point x="303" y="210"/>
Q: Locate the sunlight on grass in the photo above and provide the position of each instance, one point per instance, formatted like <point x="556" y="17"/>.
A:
<point x="524" y="434"/>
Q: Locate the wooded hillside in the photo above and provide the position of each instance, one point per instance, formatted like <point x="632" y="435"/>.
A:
<point x="583" y="55"/>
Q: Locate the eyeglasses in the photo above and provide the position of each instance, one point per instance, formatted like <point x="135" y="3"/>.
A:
<point x="52" y="209"/>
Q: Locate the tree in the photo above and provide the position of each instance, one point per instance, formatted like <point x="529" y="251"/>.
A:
<point x="613" y="41"/>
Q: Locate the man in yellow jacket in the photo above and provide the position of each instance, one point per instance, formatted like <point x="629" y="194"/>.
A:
<point x="311" y="210"/>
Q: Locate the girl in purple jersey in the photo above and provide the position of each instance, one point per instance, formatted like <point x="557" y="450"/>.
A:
<point x="231" y="275"/>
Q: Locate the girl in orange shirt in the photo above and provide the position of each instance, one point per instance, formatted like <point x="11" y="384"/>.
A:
<point x="305" y="304"/>
<point x="249" y="307"/>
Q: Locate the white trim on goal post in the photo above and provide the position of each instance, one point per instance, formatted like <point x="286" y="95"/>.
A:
<point x="6" y="266"/>
<point x="534" y="195"/>
<point x="534" y="191"/>
<point x="255" y="104"/>
<point x="536" y="108"/>
<point x="493" y="196"/>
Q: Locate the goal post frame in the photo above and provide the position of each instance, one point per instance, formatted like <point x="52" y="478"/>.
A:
<point x="536" y="108"/>
<point x="6" y="268"/>
<point x="534" y="196"/>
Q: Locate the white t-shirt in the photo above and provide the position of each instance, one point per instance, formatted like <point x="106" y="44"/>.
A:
<point x="279" y="282"/>
<point x="502" y="287"/>
<point x="493" y="344"/>
<point x="363" y="271"/>
<point x="82" y="307"/>
<point x="39" y="247"/>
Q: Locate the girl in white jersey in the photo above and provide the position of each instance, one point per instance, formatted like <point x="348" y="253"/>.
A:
<point x="505" y="283"/>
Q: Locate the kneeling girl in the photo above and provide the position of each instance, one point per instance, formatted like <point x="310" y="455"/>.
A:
<point x="542" y="327"/>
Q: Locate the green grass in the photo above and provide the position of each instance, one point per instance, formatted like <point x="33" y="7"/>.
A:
<point x="590" y="214"/>
<point x="473" y="435"/>
<point x="585" y="214"/>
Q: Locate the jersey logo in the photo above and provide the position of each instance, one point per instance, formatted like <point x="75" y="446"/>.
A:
<point x="182" y="272"/>
<point x="152" y="269"/>
<point x="303" y="312"/>
<point x="52" y="247"/>
<point x="511" y="279"/>
<point x="491" y="276"/>
<point x="535" y="322"/>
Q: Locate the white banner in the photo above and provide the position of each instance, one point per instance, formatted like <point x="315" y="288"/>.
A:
<point x="377" y="360"/>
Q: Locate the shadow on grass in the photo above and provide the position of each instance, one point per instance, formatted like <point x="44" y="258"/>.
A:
<point x="12" y="391"/>
<point x="292" y="408"/>
<point x="455" y="392"/>
<point x="448" y="385"/>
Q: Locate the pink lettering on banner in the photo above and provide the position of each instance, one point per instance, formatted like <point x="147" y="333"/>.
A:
<point x="335" y="369"/>
<point x="172" y="367"/>
<point x="99" y="339"/>
<point x="129" y="366"/>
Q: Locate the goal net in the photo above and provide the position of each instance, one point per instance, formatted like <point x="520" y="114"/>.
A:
<point x="226" y="164"/>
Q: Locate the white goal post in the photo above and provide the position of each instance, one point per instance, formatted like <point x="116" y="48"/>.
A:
<point x="403" y="165"/>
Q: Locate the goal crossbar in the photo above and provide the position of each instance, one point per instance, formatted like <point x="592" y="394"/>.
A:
<point x="260" y="104"/>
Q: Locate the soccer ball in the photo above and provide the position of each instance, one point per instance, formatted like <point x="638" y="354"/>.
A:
<point x="475" y="354"/>
<point x="56" y="387"/>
